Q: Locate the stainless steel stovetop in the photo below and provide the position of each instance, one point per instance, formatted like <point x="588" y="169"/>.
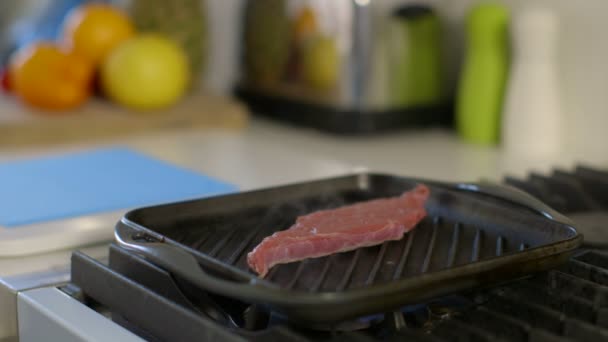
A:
<point x="566" y="304"/>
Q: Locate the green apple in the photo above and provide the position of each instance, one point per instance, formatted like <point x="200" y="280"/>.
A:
<point x="148" y="71"/>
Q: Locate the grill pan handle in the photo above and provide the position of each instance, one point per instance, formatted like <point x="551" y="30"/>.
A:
<point x="185" y="265"/>
<point x="515" y="196"/>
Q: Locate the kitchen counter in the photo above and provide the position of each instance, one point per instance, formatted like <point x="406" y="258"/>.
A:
<point x="267" y="154"/>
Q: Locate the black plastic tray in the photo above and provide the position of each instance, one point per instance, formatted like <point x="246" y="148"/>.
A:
<point x="474" y="235"/>
<point x="345" y="121"/>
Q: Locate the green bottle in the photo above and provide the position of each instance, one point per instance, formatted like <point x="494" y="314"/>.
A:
<point x="483" y="79"/>
<point x="417" y="78"/>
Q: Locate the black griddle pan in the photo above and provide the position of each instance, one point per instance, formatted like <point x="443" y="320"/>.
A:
<point x="474" y="235"/>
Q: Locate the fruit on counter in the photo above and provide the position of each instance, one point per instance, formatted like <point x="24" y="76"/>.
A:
<point x="320" y="62"/>
<point x="267" y="41"/>
<point x="94" y="29"/>
<point x="148" y="71"/>
<point x="185" y="21"/>
<point x="45" y="76"/>
<point x="5" y="81"/>
<point x="305" y="25"/>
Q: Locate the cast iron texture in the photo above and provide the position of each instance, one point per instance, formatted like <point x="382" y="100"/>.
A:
<point x="469" y="239"/>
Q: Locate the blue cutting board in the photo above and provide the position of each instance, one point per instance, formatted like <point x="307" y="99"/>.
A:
<point x="102" y="180"/>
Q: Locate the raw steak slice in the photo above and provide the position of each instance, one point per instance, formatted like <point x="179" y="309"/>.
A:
<point x="346" y="228"/>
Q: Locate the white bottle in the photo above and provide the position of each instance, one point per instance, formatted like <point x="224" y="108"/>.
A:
<point x="532" y="121"/>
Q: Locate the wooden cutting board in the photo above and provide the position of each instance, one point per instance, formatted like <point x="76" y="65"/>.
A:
<point x="100" y="119"/>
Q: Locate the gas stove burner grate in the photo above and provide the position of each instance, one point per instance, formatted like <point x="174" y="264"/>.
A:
<point x="569" y="303"/>
<point x="581" y="194"/>
<point x="565" y="304"/>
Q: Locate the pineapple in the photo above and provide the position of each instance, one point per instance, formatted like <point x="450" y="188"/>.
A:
<point x="183" y="20"/>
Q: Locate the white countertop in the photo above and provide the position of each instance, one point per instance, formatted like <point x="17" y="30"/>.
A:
<point x="268" y="154"/>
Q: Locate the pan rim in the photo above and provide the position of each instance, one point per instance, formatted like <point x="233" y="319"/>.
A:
<point x="267" y="293"/>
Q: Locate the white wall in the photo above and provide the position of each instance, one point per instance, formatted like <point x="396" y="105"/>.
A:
<point x="582" y="60"/>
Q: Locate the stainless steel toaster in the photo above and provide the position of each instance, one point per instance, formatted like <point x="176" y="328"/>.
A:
<point x="343" y="65"/>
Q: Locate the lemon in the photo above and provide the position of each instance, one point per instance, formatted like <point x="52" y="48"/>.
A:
<point x="149" y="71"/>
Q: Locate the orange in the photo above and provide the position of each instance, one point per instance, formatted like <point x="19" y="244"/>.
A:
<point x="93" y="30"/>
<point x="46" y="77"/>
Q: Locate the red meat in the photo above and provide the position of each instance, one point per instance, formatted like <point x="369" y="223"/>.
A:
<point x="343" y="229"/>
